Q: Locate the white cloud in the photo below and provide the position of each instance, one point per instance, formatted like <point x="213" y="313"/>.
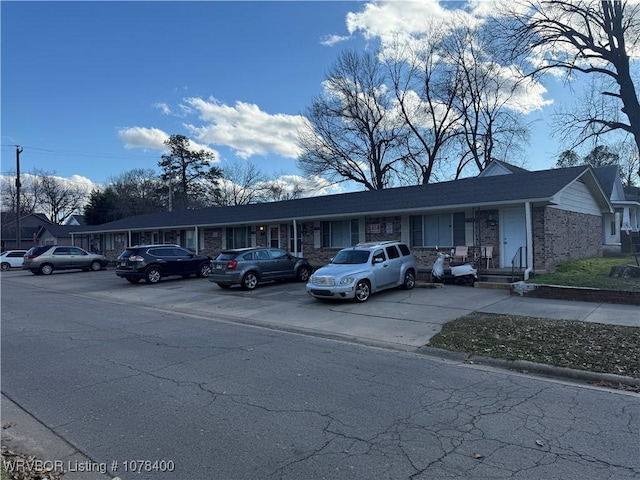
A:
<point x="76" y="181"/>
<point x="245" y="128"/>
<point x="141" y="137"/>
<point x="385" y="20"/>
<point x="153" y="139"/>
<point x="331" y="40"/>
<point x="406" y="28"/>
<point x="163" y="107"/>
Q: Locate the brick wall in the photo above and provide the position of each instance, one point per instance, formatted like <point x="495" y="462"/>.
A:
<point x="560" y="235"/>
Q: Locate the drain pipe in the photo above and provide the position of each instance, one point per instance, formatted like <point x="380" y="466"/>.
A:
<point x="529" y="234"/>
<point x="295" y="238"/>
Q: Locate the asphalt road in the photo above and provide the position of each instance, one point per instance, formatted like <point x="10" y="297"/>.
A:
<point x="165" y="374"/>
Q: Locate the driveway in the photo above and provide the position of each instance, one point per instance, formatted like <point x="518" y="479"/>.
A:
<point x="399" y="319"/>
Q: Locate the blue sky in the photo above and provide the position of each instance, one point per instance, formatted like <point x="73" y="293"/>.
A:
<point x="90" y="88"/>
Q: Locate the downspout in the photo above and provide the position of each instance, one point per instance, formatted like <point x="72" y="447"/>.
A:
<point x="529" y="233"/>
<point x="197" y="239"/>
<point x="129" y="238"/>
<point x="295" y="238"/>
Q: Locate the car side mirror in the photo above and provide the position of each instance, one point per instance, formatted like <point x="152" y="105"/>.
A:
<point x="378" y="260"/>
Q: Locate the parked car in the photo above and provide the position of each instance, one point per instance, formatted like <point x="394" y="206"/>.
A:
<point x="44" y="259"/>
<point x="154" y="262"/>
<point x="11" y="259"/>
<point x="357" y="272"/>
<point x="248" y="267"/>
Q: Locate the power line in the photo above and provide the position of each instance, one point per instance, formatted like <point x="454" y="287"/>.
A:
<point x="84" y="154"/>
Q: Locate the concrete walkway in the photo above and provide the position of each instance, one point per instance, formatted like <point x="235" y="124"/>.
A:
<point x="401" y="319"/>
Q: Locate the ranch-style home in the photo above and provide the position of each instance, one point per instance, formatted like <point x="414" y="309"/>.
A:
<point x="534" y="220"/>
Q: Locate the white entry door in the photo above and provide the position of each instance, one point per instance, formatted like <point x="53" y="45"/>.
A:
<point x="514" y="236"/>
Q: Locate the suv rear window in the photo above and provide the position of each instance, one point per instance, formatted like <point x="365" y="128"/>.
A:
<point x="227" y="256"/>
<point x="35" y="251"/>
<point x="128" y="252"/>
<point x="404" y="249"/>
<point x="392" y="252"/>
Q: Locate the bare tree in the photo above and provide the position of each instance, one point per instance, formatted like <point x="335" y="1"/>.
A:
<point x="568" y="158"/>
<point x="59" y="198"/>
<point x="29" y="194"/>
<point x="277" y="191"/>
<point x="629" y="161"/>
<point x="352" y="135"/>
<point x="585" y="37"/>
<point x="137" y="192"/>
<point x="289" y="187"/>
<point x="425" y="88"/>
<point x="623" y="154"/>
<point x="241" y="183"/>
<point x="486" y="96"/>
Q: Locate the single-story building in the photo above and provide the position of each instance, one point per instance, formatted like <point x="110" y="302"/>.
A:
<point x="534" y="220"/>
<point x="29" y="227"/>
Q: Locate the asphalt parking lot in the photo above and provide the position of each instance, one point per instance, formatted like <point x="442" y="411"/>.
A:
<point x="396" y="318"/>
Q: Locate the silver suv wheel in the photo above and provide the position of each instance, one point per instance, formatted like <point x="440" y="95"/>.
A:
<point x="363" y="291"/>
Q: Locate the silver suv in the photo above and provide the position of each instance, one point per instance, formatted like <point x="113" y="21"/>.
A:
<point x="357" y="272"/>
<point x="44" y="259"/>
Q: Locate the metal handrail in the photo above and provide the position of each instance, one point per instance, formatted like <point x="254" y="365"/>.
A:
<point x="518" y="255"/>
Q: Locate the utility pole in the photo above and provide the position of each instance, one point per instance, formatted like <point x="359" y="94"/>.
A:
<point x="18" y="185"/>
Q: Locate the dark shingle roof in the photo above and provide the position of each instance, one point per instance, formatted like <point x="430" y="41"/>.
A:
<point x="512" y="168"/>
<point x="60" y="231"/>
<point x="467" y="192"/>
<point x="607" y="177"/>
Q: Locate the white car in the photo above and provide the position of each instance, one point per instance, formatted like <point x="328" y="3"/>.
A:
<point x="357" y="272"/>
<point x="11" y="259"/>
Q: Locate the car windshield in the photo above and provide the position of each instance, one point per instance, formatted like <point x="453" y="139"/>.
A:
<point x="351" y="257"/>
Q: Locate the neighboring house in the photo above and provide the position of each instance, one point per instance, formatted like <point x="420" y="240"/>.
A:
<point x="75" y="220"/>
<point x="621" y="229"/>
<point x="534" y="220"/>
<point x="54" y="234"/>
<point x="29" y="226"/>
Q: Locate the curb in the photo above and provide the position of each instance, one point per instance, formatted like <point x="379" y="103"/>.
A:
<point x="24" y="434"/>
<point x="526" y="367"/>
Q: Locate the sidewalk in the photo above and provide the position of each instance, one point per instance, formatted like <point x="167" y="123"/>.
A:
<point x="407" y="320"/>
<point x="609" y="313"/>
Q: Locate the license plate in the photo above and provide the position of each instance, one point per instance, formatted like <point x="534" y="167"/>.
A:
<point x="123" y="264"/>
<point x="218" y="267"/>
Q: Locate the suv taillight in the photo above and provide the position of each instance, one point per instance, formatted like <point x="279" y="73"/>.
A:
<point x="136" y="258"/>
<point x="32" y="256"/>
<point x="232" y="264"/>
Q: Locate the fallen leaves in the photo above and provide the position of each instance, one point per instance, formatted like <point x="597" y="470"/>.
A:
<point x="588" y="346"/>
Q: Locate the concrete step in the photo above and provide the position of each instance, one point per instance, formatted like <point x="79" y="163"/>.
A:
<point x="500" y="278"/>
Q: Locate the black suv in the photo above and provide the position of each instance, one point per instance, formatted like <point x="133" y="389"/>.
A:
<point x="154" y="262"/>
